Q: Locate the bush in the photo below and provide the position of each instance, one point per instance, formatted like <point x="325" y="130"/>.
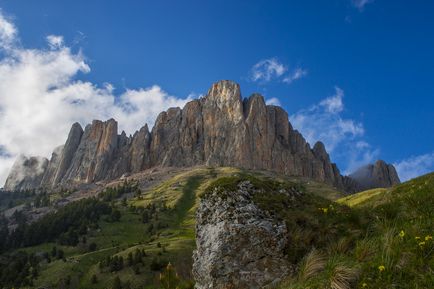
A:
<point x="92" y="247"/>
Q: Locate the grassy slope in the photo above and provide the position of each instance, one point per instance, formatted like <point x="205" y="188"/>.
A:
<point x="396" y="249"/>
<point x="353" y="237"/>
<point x="180" y="192"/>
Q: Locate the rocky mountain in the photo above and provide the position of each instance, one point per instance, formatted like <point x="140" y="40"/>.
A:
<point x="220" y="129"/>
<point x="378" y="175"/>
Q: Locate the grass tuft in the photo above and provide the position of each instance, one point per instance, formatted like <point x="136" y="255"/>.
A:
<point x="343" y="277"/>
<point x="313" y="263"/>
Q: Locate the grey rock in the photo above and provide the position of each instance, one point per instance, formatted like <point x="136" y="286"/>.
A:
<point x="238" y="244"/>
<point x="52" y="168"/>
<point x="68" y="153"/>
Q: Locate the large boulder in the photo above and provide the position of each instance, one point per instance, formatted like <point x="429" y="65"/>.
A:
<point x="238" y="244"/>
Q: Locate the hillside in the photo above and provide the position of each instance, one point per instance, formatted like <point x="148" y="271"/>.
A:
<point x="158" y="218"/>
<point x="382" y="240"/>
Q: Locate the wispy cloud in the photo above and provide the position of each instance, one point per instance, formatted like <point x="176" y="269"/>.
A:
<point x="55" y="41"/>
<point x="41" y="98"/>
<point x="342" y="137"/>
<point x="296" y="74"/>
<point x="360" y="4"/>
<point x="273" y="101"/>
<point x="267" y="69"/>
<point x="272" y="69"/>
<point x="8" y="32"/>
<point x="334" y="103"/>
<point x="415" y="166"/>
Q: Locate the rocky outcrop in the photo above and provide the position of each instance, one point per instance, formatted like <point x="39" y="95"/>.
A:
<point x="67" y="154"/>
<point x="52" y="167"/>
<point x="26" y="173"/>
<point x="378" y="175"/>
<point x="238" y="244"/>
<point x="220" y="129"/>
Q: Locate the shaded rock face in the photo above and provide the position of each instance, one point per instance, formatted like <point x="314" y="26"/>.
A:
<point x="238" y="244"/>
<point x="220" y="129"/>
<point x="26" y="173"/>
<point x="378" y="175"/>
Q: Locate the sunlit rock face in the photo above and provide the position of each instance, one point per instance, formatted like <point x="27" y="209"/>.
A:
<point x="220" y="129"/>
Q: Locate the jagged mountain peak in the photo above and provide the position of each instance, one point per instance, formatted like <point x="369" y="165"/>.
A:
<point x="220" y="129"/>
<point x="224" y="91"/>
<point x="379" y="174"/>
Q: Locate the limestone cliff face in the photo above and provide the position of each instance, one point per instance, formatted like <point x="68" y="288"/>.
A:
<point x="220" y="129"/>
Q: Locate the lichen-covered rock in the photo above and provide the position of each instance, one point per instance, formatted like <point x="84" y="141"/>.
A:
<point x="238" y="244"/>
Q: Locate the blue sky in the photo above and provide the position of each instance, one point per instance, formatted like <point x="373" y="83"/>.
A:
<point x="358" y="73"/>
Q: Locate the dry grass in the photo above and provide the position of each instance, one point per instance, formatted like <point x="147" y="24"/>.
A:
<point x="343" y="277"/>
<point x="342" y="246"/>
<point x="313" y="263"/>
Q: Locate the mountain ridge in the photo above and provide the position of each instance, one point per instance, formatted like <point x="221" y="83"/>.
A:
<point x="220" y="129"/>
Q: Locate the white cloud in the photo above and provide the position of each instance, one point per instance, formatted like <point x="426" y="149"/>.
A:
<point x="55" y="41"/>
<point x="8" y="32"/>
<point x="273" y="101"/>
<point x="415" y="166"/>
<point x="270" y="69"/>
<point x="295" y="75"/>
<point x="360" y="4"/>
<point x="267" y="69"/>
<point x="334" y="104"/>
<point x="40" y="98"/>
<point x="343" y="138"/>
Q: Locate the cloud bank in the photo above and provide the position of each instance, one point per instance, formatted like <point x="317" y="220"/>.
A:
<point x="40" y="97"/>
<point x="343" y="138"/>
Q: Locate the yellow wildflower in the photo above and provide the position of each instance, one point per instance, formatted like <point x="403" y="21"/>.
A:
<point x="381" y="268"/>
<point x="417" y="238"/>
<point x="422" y="243"/>
<point x="364" y="285"/>
<point x="324" y="210"/>
<point x="428" y="237"/>
<point x="402" y="234"/>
